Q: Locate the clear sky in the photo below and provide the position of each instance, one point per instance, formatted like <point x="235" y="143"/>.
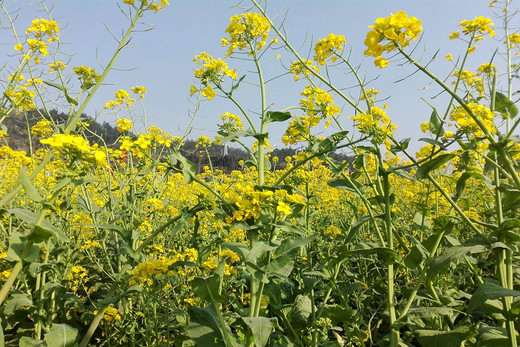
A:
<point x="162" y="59"/>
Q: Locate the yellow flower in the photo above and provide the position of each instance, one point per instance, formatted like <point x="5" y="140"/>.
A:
<point x="208" y="92"/>
<point x="124" y="124"/>
<point x="302" y="67"/>
<point x="390" y="32"/>
<point x="480" y="25"/>
<point x="454" y="35"/>
<point x="139" y="90"/>
<point x="283" y="207"/>
<point x="449" y="57"/>
<point x="193" y="90"/>
<point x="328" y="46"/>
<point x="77" y="147"/>
<point x="203" y="141"/>
<point x="246" y="32"/>
<point x="472" y="49"/>
<point x="18" y="47"/>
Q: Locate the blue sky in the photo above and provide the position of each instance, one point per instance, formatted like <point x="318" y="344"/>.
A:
<point x="161" y="59"/>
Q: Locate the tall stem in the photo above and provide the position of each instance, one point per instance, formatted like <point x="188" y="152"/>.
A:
<point x="394" y="332"/>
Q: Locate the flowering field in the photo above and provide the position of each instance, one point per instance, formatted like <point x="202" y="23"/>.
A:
<point x="129" y="244"/>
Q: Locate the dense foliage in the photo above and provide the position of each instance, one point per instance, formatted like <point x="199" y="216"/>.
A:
<point x="141" y="240"/>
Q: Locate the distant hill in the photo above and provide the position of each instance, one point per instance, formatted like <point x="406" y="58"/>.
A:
<point x="224" y="157"/>
<point x="18" y="127"/>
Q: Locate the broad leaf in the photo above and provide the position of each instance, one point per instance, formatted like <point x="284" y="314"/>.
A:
<point x="505" y="106"/>
<point x="276" y="116"/>
<point x="489" y="291"/>
<point x="62" y="335"/>
<point x="441" y="338"/>
<point x="261" y="327"/>
<point x="433" y="164"/>
<point x="207" y="288"/>
<point x="204" y="327"/>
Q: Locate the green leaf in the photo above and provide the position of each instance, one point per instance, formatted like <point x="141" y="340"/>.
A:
<point x="61" y="335"/>
<point x="461" y="182"/>
<point x="276" y="116"/>
<point x="235" y="85"/>
<point x="280" y="267"/>
<point x="41" y="232"/>
<point x="441" y="338"/>
<point x="2" y="337"/>
<point x="365" y="249"/>
<point x="301" y="310"/>
<point x="204" y="328"/>
<point x="30" y="342"/>
<point x="64" y="90"/>
<point x="30" y="190"/>
<point x="430" y="312"/>
<point x="17" y="302"/>
<point x="17" y="249"/>
<point x="489" y="291"/>
<point x="356" y="227"/>
<point x="257" y="251"/>
<point x="289" y="245"/>
<point x="433" y="164"/>
<point x="505" y="106"/>
<point x="433" y="142"/>
<point x="419" y="252"/>
<point x="207" y="288"/>
<point x="435" y="124"/>
<point x="492" y="337"/>
<point x="261" y="327"/>
<point x="401" y="146"/>
<point x="451" y="254"/>
<point x="188" y="169"/>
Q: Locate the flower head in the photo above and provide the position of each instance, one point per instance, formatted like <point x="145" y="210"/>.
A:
<point x="247" y="31"/>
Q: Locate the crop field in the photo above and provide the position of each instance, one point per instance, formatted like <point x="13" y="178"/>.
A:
<point x="134" y="238"/>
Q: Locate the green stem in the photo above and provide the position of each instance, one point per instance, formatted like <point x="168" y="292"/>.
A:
<point x="394" y="332"/>
<point x="97" y="319"/>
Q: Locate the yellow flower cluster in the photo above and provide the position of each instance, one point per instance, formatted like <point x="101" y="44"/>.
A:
<point x="42" y="27"/>
<point x="57" y="66"/>
<point x="247" y="31"/>
<point x="230" y="258"/>
<point x="21" y="98"/>
<point x="487" y="68"/>
<point x="479" y="26"/>
<point x="233" y="123"/>
<point x="124" y="124"/>
<point x="302" y="67"/>
<point x="144" y="272"/>
<point x="146" y="141"/>
<point x="77" y="147"/>
<point x="468" y="125"/>
<point x="318" y="101"/>
<point x="470" y="80"/>
<point x="203" y="142"/>
<point x="150" y="6"/>
<point x="397" y="29"/>
<point x="375" y="123"/>
<point x="39" y="30"/>
<point x="78" y="276"/>
<point x="122" y="97"/>
<point x="111" y="314"/>
<point x="328" y="46"/>
<point x="212" y="70"/>
<point x="42" y="128"/>
<point x="87" y="76"/>
<point x="139" y="90"/>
